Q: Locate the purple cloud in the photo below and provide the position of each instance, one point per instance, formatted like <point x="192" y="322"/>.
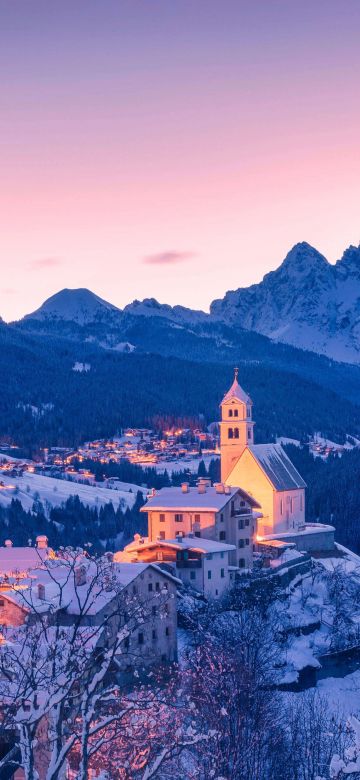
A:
<point x="45" y="262"/>
<point x="168" y="258"/>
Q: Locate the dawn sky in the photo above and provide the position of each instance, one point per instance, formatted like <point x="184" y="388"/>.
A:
<point x="173" y="148"/>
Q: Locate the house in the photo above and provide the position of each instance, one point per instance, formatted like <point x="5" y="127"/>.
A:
<point x="202" y="564"/>
<point x="219" y="512"/>
<point x="264" y="471"/>
<point x="67" y="593"/>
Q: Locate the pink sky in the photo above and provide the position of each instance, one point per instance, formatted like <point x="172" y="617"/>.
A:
<point x="173" y="150"/>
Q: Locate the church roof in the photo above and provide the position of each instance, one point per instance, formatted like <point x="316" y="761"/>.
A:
<point x="236" y="391"/>
<point x="277" y="466"/>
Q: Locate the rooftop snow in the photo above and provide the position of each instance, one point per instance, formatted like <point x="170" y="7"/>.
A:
<point x="188" y="542"/>
<point x="236" y="392"/>
<point x="20" y="559"/>
<point x="192" y="500"/>
<point x="277" y="466"/>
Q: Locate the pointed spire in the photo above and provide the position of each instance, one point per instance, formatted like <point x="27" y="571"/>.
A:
<point x="236" y="391"/>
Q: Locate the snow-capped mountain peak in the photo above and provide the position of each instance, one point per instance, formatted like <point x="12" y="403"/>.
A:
<point x="306" y="301"/>
<point x="74" y="305"/>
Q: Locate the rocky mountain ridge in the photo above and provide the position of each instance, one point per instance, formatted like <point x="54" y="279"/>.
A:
<point x="306" y="302"/>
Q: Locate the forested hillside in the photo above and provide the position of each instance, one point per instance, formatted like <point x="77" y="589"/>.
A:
<point x="333" y="491"/>
<point x="43" y="401"/>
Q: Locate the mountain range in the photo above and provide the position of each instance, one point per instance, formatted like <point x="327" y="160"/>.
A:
<point x="79" y="367"/>
<point x="306" y="302"/>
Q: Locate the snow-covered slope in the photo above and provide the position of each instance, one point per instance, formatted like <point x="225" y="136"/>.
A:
<point x="53" y="492"/>
<point x="306" y="302"/>
<point x="81" y="306"/>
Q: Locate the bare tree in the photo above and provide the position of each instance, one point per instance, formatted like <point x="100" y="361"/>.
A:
<point x="59" y="688"/>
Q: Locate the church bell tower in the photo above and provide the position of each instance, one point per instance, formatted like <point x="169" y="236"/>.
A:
<point x="236" y="426"/>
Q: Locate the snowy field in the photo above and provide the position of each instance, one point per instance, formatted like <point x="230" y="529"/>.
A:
<point x="54" y="492"/>
<point x="191" y="464"/>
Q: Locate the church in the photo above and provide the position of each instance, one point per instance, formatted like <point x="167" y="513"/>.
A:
<point x="263" y="470"/>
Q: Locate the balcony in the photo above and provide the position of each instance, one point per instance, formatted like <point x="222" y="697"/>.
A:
<point x="241" y="512"/>
<point x="193" y="563"/>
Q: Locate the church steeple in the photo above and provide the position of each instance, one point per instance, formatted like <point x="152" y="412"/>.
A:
<point x="236" y="426"/>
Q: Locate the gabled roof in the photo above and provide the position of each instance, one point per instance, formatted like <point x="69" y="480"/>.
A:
<point x="277" y="466"/>
<point x="186" y="543"/>
<point x="237" y="392"/>
<point x="21" y="559"/>
<point x="174" y="498"/>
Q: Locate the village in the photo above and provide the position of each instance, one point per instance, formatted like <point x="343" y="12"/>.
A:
<point x="204" y="542"/>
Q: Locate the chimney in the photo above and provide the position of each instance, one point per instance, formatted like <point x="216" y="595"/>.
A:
<point x="8" y="543"/>
<point x="204" y="481"/>
<point x="227" y="490"/>
<point x="185" y="487"/>
<point x="219" y="487"/>
<point x="41" y="542"/>
<point x="202" y="487"/>
<point x="137" y="537"/>
<point x="41" y="591"/>
<point x="80" y="575"/>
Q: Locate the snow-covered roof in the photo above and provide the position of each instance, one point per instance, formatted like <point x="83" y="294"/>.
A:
<point x="192" y="500"/>
<point x="201" y="545"/>
<point x="61" y="592"/>
<point x="277" y="466"/>
<point x="188" y="542"/>
<point x="237" y="392"/>
<point x="21" y="559"/>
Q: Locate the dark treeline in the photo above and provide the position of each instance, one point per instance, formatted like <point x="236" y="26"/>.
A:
<point x="333" y="491"/>
<point x="76" y="525"/>
<point x="73" y="524"/>
<point x="43" y="402"/>
<point x="148" y="476"/>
